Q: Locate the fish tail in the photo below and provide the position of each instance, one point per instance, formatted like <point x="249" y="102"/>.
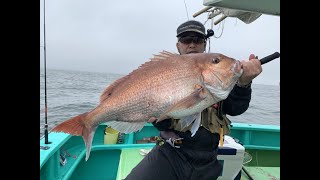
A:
<point x="72" y="126"/>
<point x="77" y="127"/>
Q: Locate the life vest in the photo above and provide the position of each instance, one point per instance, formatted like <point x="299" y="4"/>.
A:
<point x="212" y="119"/>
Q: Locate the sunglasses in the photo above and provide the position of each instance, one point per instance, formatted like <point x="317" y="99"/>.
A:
<point x="194" y="39"/>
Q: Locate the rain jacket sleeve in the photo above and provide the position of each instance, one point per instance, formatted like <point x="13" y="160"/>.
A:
<point x="237" y="101"/>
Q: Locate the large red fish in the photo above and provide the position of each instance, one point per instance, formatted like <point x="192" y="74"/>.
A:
<point x="167" y="86"/>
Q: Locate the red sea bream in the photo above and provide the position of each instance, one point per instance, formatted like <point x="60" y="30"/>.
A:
<point x="167" y="86"/>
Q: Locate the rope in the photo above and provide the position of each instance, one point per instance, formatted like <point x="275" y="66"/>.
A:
<point x="185" y="5"/>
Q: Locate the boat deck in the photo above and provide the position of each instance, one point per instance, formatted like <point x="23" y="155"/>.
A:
<point x="272" y="173"/>
<point x="129" y="158"/>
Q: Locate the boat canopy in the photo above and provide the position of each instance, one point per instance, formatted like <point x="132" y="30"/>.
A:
<point x="270" y="7"/>
<point x="245" y="10"/>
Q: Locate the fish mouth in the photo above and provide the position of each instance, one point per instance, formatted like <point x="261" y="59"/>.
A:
<point x="237" y="68"/>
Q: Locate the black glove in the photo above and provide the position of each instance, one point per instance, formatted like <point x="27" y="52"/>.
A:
<point x="162" y="125"/>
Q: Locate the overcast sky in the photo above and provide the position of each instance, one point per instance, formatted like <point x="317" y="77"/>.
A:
<point x="118" y="36"/>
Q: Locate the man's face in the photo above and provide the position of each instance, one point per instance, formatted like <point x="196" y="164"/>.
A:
<point x="191" y="42"/>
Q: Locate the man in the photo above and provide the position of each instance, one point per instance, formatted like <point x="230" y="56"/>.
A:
<point x="183" y="157"/>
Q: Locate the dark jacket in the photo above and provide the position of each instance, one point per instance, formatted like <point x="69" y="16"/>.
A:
<point x="237" y="101"/>
<point x="197" y="157"/>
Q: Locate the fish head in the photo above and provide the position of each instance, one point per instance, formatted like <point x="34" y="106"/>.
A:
<point x="219" y="72"/>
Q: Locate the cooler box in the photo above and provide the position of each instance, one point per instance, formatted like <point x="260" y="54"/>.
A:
<point x="231" y="156"/>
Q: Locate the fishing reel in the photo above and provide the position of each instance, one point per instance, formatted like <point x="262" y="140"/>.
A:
<point x="210" y="33"/>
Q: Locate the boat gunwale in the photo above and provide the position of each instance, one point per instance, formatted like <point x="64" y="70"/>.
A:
<point x="255" y="127"/>
<point x="57" y="140"/>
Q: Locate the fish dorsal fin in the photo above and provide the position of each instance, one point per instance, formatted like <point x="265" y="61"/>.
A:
<point x="164" y="55"/>
<point x="108" y="91"/>
<point x="168" y="53"/>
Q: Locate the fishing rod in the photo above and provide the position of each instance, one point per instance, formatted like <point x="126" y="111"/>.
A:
<point x="270" y="58"/>
<point x="46" y="141"/>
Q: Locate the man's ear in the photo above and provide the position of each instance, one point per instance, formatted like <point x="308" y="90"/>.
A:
<point x="177" y="45"/>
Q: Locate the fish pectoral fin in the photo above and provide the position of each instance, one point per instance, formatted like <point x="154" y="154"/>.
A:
<point x="126" y="127"/>
<point x="196" y="124"/>
<point x="188" y="120"/>
<point x="193" y="99"/>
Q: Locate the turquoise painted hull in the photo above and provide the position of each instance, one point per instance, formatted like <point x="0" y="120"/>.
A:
<point x="261" y="141"/>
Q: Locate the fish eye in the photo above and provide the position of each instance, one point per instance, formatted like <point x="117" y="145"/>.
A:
<point x="215" y="60"/>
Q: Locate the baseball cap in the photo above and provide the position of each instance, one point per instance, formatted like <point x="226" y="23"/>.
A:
<point x="191" y="26"/>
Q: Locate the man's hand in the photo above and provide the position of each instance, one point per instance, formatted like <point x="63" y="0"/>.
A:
<point x="251" y="69"/>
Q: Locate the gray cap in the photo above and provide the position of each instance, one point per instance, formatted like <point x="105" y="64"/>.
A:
<point x="191" y="26"/>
